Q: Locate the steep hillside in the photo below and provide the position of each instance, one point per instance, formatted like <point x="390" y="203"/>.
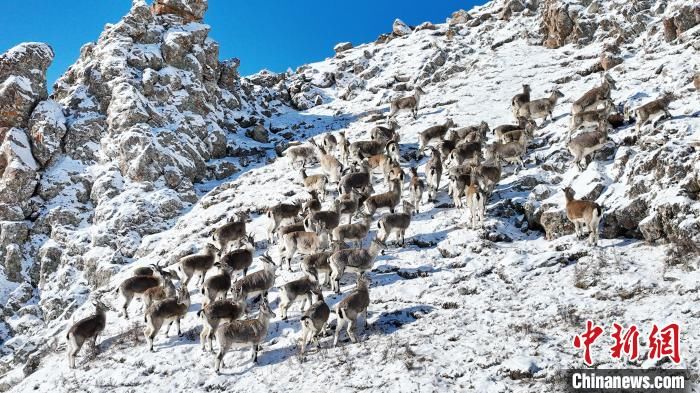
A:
<point x="150" y="142"/>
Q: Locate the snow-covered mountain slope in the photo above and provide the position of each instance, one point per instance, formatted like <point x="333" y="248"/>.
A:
<point x="149" y="143"/>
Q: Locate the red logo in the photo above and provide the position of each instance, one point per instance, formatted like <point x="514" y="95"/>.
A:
<point x="662" y="342"/>
<point x="589" y="336"/>
<point x="665" y="342"/>
<point x="627" y="343"/>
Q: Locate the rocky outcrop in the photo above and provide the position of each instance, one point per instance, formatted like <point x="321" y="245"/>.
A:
<point x="681" y="20"/>
<point x="399" y="28"/>
<point x="18" y="168"/>
<point x="188" y="10"/>
<point x="342" y="47"/>
<point x="47" y="127"/>
<point x="459" y="17"/>
<point x="22" y="81"/>
<point x="13" y="234"/>
<point x="555" y="223"/>
<point x="26" y="134"/>
<point x="609" y="60"/>
<point x="144" y="114"/>
<point x="561" y="24"/>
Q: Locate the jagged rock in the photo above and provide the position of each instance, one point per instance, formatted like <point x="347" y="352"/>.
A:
<point x="459" y="17"/>
<point x="627" y="218"/>
<point x="19" y="297"/>
<point x="217" y="138"/>
<point x="561" y="24"/>
<point x="259" y="134"/>
<point x="11" y="260"/>
<point x="425" y="26"/>
<point x="22" y="81"/>
<point x="47" y="126"/>
<point x="480" y="19"/>
<point x="682" y="20"/>
<point x="515" y="6"/>
<point x="608" y="61"/>
<point x="177" y="47"/>
<point x="555" y="223"/>
<point x="323" y="80"/>
<point x="10" y="212"/>
<point x="399" y="28"/>
<point x="18" y="168"/>
<point x="266" y="78"/>
<point x="677" y="221"/>
<point x="49" y="257"/>
<point x="383" y="39"/>
<point x="188" y="10"/>
<point x="223" y="169"/>
<point x="229" y="78"/>
<point x="127" y="108"/>
<point x="13" y="232"/>
<point x="696" y="81"/>
<point x="342" y="47"/>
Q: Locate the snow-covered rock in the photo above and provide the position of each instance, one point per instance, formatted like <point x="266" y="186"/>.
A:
<point x="400" y="28"/>
<point x="22" y="81"/>
<point x="342" y="47"/>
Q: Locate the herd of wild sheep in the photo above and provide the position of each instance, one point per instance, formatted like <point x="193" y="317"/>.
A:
<point x="319" y="227"/>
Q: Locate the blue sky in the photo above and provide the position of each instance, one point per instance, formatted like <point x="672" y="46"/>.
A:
<point x="263" y="34"/>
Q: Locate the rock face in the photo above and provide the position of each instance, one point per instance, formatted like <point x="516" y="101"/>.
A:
<point x="140" y="118"/>
<point x="580" y="22"/>
<point x="22" y="87"/>
<point x="47" y="127"/>
<point x="558" y="23"/>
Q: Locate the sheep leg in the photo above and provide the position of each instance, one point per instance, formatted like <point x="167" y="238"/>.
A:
<point x="351" y="330"/>
<point x="304" y="340"/>
<point x="211" y="339"/>
<point x="284" y="306"/>
<point x="177" y="323"/>
<point x="256" y="348"/>
<point x="203" y="337"/>
<point x="74" y="345"/>
<point x="127" y="301"/>
<point x="188" y="277"/>
<point x="338" y="328"/>
<point x="309" y="301"/>
<point x="481" y="211"/>
<point x="151" y="332"/>
<point x="167" y="330"/>
<point x="219" y="360"/>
